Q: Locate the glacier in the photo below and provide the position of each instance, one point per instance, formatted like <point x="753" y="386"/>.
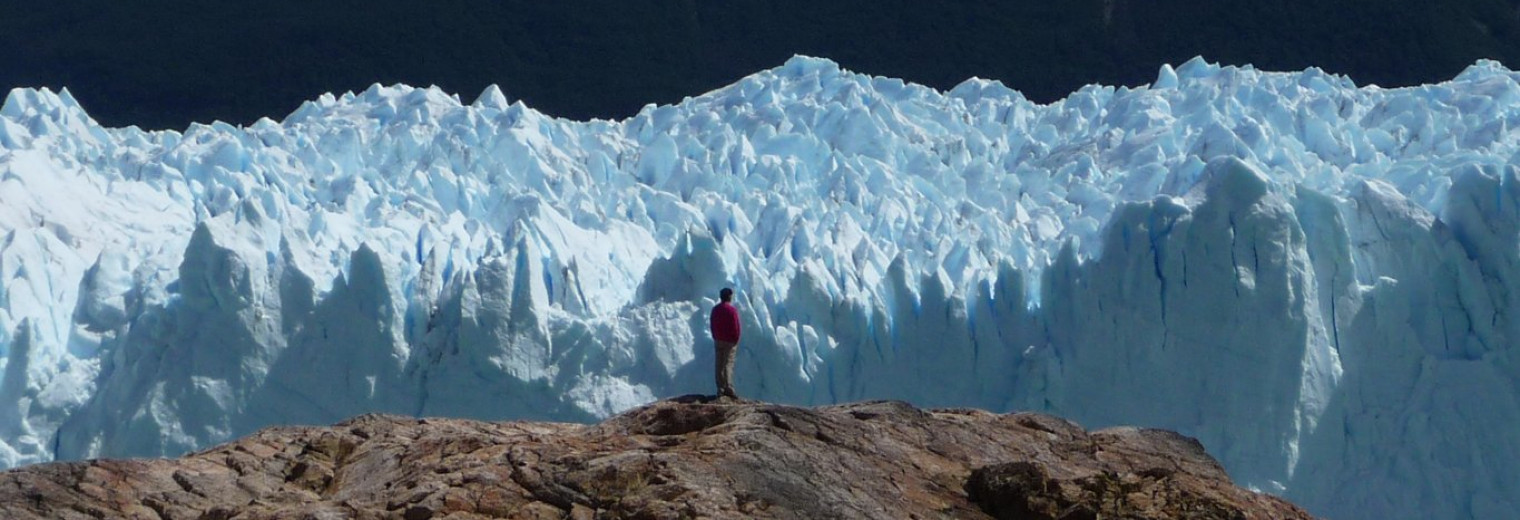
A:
<point x="1318" y="280"/>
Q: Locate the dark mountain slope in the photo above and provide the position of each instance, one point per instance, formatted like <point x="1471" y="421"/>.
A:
<point x="166" y="63"/>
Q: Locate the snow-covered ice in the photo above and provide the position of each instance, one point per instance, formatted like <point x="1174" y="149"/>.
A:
<point x="1320" y="281"/>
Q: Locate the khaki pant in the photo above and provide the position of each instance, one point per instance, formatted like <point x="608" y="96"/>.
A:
<point x="725" y="367"/>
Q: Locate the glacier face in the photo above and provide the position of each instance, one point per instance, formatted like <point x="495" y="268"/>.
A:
<point x="1316" y="280"/>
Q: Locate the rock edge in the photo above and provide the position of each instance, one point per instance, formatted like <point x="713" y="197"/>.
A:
<point x="689" y="457"/>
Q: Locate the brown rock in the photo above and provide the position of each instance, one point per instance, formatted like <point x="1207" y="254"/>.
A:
<point x="690" y="457"/>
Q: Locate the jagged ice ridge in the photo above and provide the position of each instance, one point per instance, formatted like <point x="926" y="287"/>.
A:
<point x="1319" y="281"/>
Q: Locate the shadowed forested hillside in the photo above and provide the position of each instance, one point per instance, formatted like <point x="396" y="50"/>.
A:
<point x="165" y="63"/>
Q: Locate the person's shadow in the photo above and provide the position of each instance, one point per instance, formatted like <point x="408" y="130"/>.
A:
<point x="698" y="375"/>
<point x="694" y="399"/>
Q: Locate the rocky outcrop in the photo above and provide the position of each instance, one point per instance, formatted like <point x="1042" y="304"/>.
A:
<point x="685" y="458"/>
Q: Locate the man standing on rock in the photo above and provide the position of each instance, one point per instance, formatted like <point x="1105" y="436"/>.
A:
<point x="725" y="333"/>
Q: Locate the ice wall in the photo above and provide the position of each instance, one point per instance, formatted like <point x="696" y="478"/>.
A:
<point x="1317" y="280"/>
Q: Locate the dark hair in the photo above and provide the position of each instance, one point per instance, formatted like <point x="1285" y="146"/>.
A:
<point x="726" y="294"/>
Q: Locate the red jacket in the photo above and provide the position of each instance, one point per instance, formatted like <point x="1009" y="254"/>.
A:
<point x="725" y="322"/>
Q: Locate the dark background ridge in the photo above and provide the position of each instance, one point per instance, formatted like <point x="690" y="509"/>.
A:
<point x="166" y="63"/>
